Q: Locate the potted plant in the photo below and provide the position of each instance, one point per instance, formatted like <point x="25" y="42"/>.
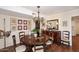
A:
<point x="35" y="32"/>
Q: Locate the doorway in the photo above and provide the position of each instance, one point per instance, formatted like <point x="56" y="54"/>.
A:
<point x="75" y="33"/>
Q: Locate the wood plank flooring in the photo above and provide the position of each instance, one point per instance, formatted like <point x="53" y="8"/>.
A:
<point x="59" y="48"/>
<point x="63" y="48"/>
<point x="75" y="43"/>
<point x="56" y="47"/>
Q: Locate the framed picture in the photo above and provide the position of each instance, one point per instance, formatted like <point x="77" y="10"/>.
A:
<point x="25" y="22"/>
<point x="25" y="27"/>
<point x="53" y="24"/>
<point x="19" y="21"/>
<point x="65" y="23"/>
<point x="13" y="21"/>
<point x="19" y="27"/>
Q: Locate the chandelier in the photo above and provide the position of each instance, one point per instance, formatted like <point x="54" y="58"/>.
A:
<point x="37" y="16"/>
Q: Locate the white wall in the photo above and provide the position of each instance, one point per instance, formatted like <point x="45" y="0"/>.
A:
<point x="9" y="40"/>
<point x="65" y="16"/>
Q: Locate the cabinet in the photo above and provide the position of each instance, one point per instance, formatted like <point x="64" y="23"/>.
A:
<point x="56" y="35"/>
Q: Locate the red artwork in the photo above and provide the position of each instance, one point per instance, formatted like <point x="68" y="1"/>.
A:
<point x="25" y="22"/>
<point x="19" y="21"/>
<point x="22" y="24"/>
<point x="25" y="27"/>
<point x="19" y="27"/>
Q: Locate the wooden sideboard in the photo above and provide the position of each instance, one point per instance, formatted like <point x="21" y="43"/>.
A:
<point x="56" y="35"/>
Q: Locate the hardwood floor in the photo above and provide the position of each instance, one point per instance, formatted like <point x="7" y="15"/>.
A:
<point x="63" y="48"/>
<point x="75" y="43"/>
<point x="56" y="47"/>
<point x="50" y="48"/>
<point x="8" y="49"/>
<point x="59" y="48"/>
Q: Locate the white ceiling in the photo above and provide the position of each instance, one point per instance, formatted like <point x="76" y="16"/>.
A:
<point x="15" y="11"/>
<point x="16" y="14"/>
<point x="26" y="11"/>
<point x="48" y="10"/>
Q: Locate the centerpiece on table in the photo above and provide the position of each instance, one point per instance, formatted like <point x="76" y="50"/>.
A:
<point x="35" y="32"/>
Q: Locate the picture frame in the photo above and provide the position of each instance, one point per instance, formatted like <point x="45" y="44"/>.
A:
<point x="65" y="23"/>
<point x="24" y="21"/>
<point x="53" y="24"/>
<point x="19" y="27"/>
<point x="19" y="21"/>
<point x="25" y="27"/>
<point x="13" y="21"/>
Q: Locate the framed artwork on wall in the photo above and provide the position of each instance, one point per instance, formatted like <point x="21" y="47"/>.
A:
<point x="53" y="24"/>
<point x="24" y="21"/>
<point x="13" y="21"/>
<point x="22" y="24"/>
<point x="25" y="27"/>
<point x="19" y="21"/>
<point x="65" y="23"/>
<point x="13" y="24"/>
<point x="19" y="27"/>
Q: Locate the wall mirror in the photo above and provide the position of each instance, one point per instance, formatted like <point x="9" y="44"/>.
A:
<point x="53" y="24"/>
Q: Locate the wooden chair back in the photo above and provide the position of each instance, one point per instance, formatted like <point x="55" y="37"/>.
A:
<point x="14" y="41"/>
<point x="40" y="46"/>
<point x="66" y="37"/>
<point x="21" y="35"/>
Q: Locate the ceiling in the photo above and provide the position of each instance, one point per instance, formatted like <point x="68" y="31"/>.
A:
<point x="49" y="10"/>
<point x="26" y="11"/>
<point x="16" y="14"/>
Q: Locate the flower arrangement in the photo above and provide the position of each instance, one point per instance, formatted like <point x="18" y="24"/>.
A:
<point x="35" y="30"/>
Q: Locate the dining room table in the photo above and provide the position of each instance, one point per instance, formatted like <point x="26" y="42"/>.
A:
<point x="30" y="41"/>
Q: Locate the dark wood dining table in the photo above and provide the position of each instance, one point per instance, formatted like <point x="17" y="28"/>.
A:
<point x="30" y="41"/>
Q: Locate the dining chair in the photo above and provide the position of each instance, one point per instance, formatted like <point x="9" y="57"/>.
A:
<point x="20" y="48"/>
<point x="48" y="37"/>
<point x="21" y="35"/>
<point x="48" y="40"/>
<point x="38" y="47"/>
<point x="65" y="39"/>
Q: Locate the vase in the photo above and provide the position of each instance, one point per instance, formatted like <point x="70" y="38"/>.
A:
<point x="35" y="35"/>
